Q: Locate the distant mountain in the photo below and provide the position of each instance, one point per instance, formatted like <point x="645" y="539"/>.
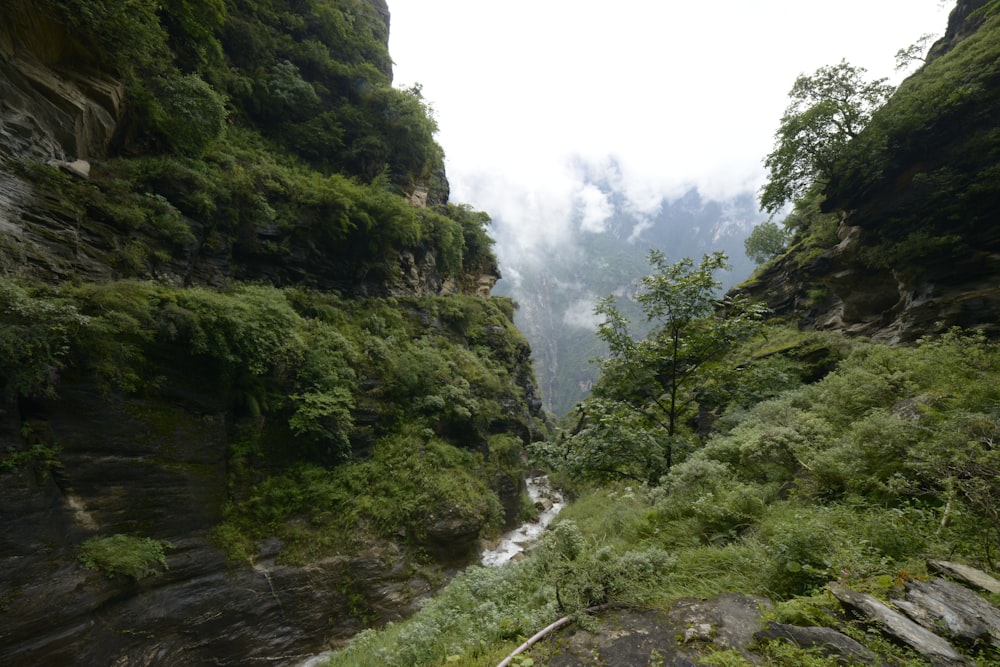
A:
<point x="557" y="286"/>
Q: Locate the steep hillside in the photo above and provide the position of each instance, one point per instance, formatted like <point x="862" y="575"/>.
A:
<point x="255" y="395"/>
<point x="910" y="244"/>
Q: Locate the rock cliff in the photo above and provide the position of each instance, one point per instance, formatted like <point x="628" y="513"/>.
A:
<point x="83" y="458"/>
<point x="918" y="245"/>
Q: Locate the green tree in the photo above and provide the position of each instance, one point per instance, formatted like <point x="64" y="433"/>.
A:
<point x="914" y="53"/>
<point x="649" y="387"/>
<point x="828" y="110"/>
<point x="767" y="240"/>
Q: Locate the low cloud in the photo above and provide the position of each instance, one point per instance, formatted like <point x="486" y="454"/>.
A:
<point x="581" y="314"/>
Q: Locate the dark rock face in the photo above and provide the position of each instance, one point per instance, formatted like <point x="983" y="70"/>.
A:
<point x="158" y="467"/>
<point x="636" y="638"/>
<point x="48" y="110"/>
<point x="831" y="643"/>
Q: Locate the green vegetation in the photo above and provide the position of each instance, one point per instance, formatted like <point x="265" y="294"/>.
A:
<point x="715" y="455"/>
<point x="636" y="423"/>
<point x="766" y="241"/>
<point x="135" y="557"/>
<point x="439" y="383"/>
<point x="267" y="131"/>
<point x="829" y="109"/>
<point x="261" y="200"/>
<point x="857" y="477"/>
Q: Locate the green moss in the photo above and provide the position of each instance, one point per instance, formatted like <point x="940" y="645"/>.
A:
<point x="135" y="557"/>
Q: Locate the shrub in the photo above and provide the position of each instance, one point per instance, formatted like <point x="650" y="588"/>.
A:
<point x="36" y="333"/>
<point x="191" y="113"/>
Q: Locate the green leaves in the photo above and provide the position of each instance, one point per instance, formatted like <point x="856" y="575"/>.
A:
<point x="828" y="110"/>
<point x="767" y="240"/>
<point x="36" y="334"/>
<point x="649" y="388"/>
<point x="135" y="557"/>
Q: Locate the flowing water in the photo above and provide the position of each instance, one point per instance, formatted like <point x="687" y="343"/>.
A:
<point x="549" y="502"/>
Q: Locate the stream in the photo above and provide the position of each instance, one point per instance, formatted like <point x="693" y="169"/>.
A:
<point x="549" y="502"/>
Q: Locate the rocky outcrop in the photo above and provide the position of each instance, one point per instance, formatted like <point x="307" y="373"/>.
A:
<point x="919" y="243"/>
<point x="838" y="290"/>
<point x="157" y="466"/>
<point x="932" y="617"/>
<point x="53" y="103"/>
<point x="677" y="636"/>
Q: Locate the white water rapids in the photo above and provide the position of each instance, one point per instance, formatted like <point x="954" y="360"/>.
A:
<point x="549" y="501"/>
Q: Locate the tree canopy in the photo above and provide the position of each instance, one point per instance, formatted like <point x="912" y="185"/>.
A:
<point x="828" y="109"/>
<point x="649" y="386"/>
<point x="767" y="240"/>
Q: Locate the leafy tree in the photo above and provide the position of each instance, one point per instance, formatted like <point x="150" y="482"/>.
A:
<point x="191" y="115"/>
<point x="914" y="53"/>
<point x="649" y="386"/>
<point x="828" y="110"/>
<point x="767" y="240"/>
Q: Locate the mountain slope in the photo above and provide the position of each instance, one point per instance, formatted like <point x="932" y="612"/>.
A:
<point x="917" y="246"/>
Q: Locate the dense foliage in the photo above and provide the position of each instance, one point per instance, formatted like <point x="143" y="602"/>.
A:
<point x="767" y="240"/>
<point x="858" y="477"/>
<point x="637" y="421"/>
<point x="943" y="119"/>
<point x="296" y="369"/>
<point x="269" y="128"/>
<point x="829" y="109"/>
<point x="316" y="76"/>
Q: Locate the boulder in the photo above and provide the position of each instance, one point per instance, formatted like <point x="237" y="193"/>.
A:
<point x="953" y="610"/>
<point x="677" y="636"/>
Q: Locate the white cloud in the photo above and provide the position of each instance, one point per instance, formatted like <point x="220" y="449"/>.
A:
<point x="581" y="314"/>
<point x="596" y="209"/>
<point x="680" y="95"/>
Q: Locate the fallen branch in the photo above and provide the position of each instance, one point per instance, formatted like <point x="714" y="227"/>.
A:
<point x="546" y="630"/>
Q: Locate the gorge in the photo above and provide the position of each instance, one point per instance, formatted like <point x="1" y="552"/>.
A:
<point x="258" y="396"/>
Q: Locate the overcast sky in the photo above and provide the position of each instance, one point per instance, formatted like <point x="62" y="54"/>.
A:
<point x="679" y="93"/>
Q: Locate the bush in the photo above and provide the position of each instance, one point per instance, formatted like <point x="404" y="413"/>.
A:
<point x="36" y="334"/>
<point x="191" y="113"/>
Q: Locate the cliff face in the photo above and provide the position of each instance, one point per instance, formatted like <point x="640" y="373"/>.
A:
<point x="58" y="106"/>
<point x="55" y="103"/>
<point x="172" y="453"/>
<point x="919" y="244"/>
<point x="158" y="466"/>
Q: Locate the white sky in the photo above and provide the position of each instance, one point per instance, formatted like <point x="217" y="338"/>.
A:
<point x="680" y="93"/>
